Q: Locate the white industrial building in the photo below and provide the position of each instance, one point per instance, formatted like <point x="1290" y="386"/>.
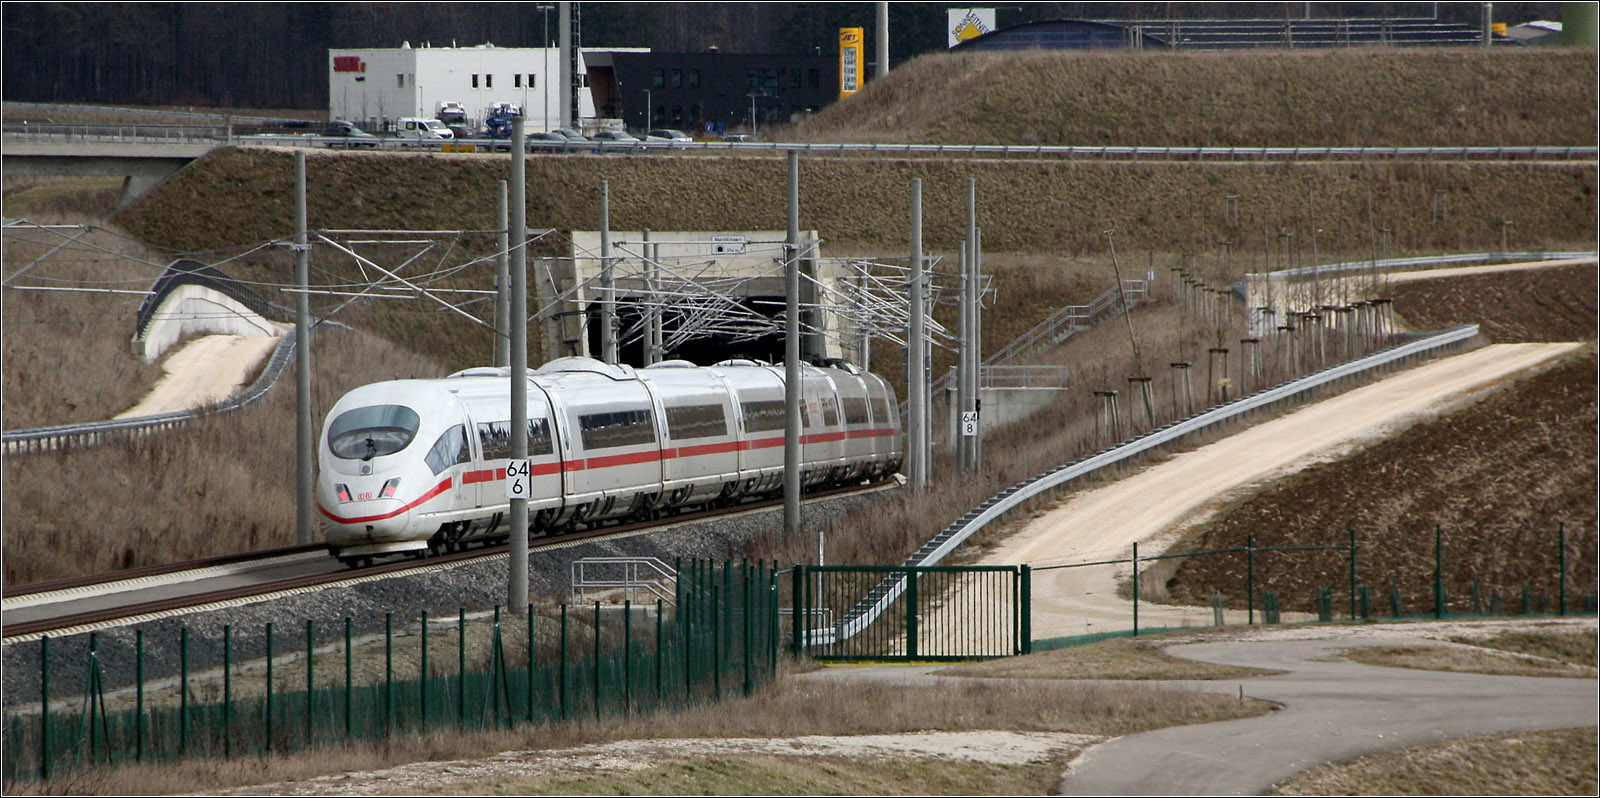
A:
<point x="374" y="88"/>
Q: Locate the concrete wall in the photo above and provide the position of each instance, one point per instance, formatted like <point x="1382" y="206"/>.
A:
<point x="194" y="310"/>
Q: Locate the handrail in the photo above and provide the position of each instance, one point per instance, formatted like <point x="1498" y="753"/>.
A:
<point x="875" y="603"/>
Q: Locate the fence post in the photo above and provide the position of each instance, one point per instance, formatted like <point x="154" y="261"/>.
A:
<point x="661" y="682"/>
<point x="749" y="686"/>
<point x="349" y="671"/>
<point x="531" y="651"/>
<point x="183" y="691"/>
<point x="561" y="670"/>
<point x="266" y="721"/>
<point x="1250" y="576"/>
<point x="1561" y="566"/>
<point x="44" y="705"/>
<point x="1026" y="602"/>
<point x="422" y="682"/>
<point x="311" y="695"/>
<point x="1438" y="571"/>
<point x="1352" y="573"/>
<point x="1135" y="563"/>
<point x="461" y="667"/>
<point x="911" y="613"/>
<point x="227" y="691"/>
<point x="627" y="657"/>
<point x="797" y="601"/>
<point x="597" y="660"/>
<point x="388" y="673"/>
<point x="138" y="709"/>
<point x="716" y="632"/>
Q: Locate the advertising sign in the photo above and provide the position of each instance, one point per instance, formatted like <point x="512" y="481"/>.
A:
<point x="968" y="23"/>
<point x="852" y="59"/>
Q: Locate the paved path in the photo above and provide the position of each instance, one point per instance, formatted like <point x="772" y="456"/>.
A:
<point x="1333" y="709"/>
<point x="206" y="370"/>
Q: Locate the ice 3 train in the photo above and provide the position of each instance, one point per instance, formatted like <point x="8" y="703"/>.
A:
<point x="419" y="466"/>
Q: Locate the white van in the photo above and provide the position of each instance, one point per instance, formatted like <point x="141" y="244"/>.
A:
<point x="423" y="129"/>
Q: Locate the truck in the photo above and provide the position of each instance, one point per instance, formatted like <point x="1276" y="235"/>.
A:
<point x="497" y="119"/>
<point x="454" y="116"/>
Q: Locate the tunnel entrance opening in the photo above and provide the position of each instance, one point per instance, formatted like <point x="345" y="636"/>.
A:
<point x="701" y="351"/>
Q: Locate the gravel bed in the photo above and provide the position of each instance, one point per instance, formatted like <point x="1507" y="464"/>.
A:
<point x="475" y="587"/>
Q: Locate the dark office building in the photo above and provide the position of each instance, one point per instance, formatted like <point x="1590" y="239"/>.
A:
<point x="697" y="92"/>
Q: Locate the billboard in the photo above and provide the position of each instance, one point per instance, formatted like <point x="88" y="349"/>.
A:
<point x="852" y="60"/>
<point x="968" y="23"/>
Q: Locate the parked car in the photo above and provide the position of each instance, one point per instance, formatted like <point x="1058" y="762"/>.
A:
<point x="572" y="135"/>
<point x="614" y="137"/>
<point x="348" y="135"/>
<point x="423" y="130"/>
<point x="668" y="134"/>
<point x="737" y="137"/>
<point x="548" y="140"/>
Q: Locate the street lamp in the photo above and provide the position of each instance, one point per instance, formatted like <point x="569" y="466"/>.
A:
<point x="752" y="97"/>
<point x="544" y="45"/>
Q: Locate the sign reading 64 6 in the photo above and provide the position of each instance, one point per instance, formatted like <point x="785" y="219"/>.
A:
<point x="519" y="480"/>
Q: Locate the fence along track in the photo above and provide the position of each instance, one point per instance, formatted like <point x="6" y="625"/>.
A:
<point x="875" y="603"/>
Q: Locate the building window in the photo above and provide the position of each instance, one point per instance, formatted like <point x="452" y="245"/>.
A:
<point x="530" y="80"/>
<point x="676" y="79"/>
<point x="795" y="78"/>
<point x="752" y="79"/>
<point x="657" y="78"/>
<point x="516" y="81"/>
<point x="488" y="81"/>
<point x="814" y="77"/>
<point x="400" y="81"/>
<point x="694" y="79"/>
<point x="474" y="80"/>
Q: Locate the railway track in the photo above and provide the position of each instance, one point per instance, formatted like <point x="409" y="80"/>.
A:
<point x="29" y="604"/>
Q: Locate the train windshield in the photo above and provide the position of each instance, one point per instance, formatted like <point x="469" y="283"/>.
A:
<point x="368" y="432"/>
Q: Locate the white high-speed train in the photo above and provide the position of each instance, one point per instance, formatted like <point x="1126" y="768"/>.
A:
<point x="419" y="466"/>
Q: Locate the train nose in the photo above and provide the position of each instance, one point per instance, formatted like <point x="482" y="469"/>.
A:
<point x="364" y="522"/>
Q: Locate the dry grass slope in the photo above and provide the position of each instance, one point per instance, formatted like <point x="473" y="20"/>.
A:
<point x="1357" y="97"/>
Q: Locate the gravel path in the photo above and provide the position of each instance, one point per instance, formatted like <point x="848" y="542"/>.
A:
<point x="207" y="370"/>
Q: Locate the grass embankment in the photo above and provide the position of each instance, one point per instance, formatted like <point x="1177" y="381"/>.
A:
<point x="789" y="708"/>
<point x="1560" y="762"/>
<point x="1498" y="475"/>
<point x="1350" y="97"/>
<point x="1120" y="658"/>
<point x="1516" y="653"/>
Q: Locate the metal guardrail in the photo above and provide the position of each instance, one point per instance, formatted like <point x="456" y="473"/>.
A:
<point x="41" y="439"/>
<point x="638" y="573"/>
<point x="1431" y="260"/>
<point x="864" y="613"/>
<point x="229" y="135"/>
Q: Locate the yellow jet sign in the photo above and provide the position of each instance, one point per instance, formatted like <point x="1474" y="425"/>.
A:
<point x="852" y="55"/>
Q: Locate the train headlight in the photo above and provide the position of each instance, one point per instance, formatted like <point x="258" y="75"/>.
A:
<point x="343" y="492"/>
<point x="389" y="488"/>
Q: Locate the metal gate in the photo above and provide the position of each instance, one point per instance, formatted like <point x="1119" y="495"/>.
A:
<point x="905" y="613"/>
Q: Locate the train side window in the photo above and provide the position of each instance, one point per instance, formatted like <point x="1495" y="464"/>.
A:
<point x="764" y="415"/>
<point x="855" y="410"/>
<point x="696" y="421"/>
<point x="450" y="449"/>
<point x="495" y="438"/>
<point x="617" y="428"/>
<point x="830" y="411"/>
<point x="880" y="408"/>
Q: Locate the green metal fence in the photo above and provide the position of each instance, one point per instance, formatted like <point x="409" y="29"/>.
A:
<point x="1394" y="575"/>
<point x="910" y="613"/>
<point x="247" y="694"/>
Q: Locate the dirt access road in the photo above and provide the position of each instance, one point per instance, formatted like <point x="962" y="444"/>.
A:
<point x="207" y="370"/>
<point x="1155" y="506"/>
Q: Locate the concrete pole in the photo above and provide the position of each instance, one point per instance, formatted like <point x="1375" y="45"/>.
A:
<point x="608" y="285"/>
<point x="1488" y="24"/>
<point x="305" y="443"/>
<point x="883" y="40"/>
<point x="517" y="587"/>
<point x="978" y="341"/>
<point x="502" y="283"/>
<point x="973" y="381"/>
<point x="916" y="343"/>
<point x="564" y="35"/>
<point x="791" y="358"/>
<point x="963" y="444"/>
<point x="649" y="340"/>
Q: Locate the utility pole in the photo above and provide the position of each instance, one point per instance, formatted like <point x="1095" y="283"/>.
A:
<point x="517" y="589"/>
<point x="968" y="379"/>
<point x="305" y="445"/>
<point x="502" y="283"/>
<point x="916" y="344"/>
<point x="791" y="356"/>
<point x="564" y="35"/>
<point x="883" y="41"/>
<point x="608" y="284"/>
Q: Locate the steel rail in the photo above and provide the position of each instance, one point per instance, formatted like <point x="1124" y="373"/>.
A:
<point x="14" y="632"/>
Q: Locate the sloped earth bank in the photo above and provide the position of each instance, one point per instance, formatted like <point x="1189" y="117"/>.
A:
<point x="1497" y="476"/>
<point x="1556" y="304"/>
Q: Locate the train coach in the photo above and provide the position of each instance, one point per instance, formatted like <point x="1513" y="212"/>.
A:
<point x="419" y="466"/>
